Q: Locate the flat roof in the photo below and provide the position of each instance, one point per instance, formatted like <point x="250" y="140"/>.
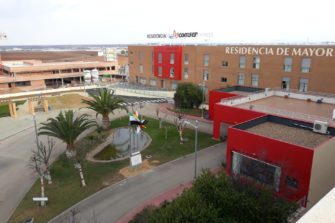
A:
<point x="293" y="108"/>
<point x="289" y="134"/>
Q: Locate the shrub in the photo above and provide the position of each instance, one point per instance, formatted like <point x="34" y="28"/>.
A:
<point x="188" y="95"/>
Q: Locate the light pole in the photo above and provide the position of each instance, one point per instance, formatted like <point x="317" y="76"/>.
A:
<point x="195" y="145"/>
<point x="203" y="98"/>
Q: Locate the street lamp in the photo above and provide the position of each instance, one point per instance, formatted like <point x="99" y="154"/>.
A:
<point x="195" y="144"/>
<point x="203" y="98"/>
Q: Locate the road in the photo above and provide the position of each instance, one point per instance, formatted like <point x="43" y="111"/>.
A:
<point x="112" y="203"/>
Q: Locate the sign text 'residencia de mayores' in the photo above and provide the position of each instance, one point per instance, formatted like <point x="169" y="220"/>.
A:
<point x="282" y="51"/>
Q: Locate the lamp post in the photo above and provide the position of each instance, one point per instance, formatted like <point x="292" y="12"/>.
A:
<point x="203" y="98"/>
<point x="195" y="145"/>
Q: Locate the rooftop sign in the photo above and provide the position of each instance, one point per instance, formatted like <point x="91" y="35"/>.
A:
<point x="176" y="35"/>
<point x="281" y="51"/>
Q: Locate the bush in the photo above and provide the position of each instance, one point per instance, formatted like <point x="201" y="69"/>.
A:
<point x="188" y="95"/>
<point x="221" y="199"/>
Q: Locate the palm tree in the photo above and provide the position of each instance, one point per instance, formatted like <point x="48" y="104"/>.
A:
<point x="66" y="128"/>
<point x="105" y="103"/>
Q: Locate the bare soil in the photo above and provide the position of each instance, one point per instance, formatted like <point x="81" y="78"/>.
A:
<point x="129" y="172"/>
<point x="67" y="101"/>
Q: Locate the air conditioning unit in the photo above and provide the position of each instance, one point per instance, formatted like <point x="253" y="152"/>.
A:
<point x="320" y="127"/>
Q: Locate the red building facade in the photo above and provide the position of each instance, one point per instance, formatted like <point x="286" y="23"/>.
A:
<point x="168" y="62"/>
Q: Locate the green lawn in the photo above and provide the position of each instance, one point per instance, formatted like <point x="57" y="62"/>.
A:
<point x="188" y="111"/>
<point x="4" y="109"/>
<point x="66" y="189"/>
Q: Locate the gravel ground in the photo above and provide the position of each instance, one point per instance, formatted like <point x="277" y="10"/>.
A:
<point x="302" y="137"/>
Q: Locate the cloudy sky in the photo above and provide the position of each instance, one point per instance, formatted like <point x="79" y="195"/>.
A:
<point x="128" y="21"/>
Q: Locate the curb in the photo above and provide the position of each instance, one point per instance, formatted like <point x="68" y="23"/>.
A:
<point x="9" y="136"/>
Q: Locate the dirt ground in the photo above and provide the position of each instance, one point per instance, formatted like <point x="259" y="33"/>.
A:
<point x="52" y="56"/>
<point x="67" y="101"/>
<point x="129" y="172"/>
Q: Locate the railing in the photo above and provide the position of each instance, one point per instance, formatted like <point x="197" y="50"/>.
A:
<point x="236" y="100"/>
<point x="286" y="113"/>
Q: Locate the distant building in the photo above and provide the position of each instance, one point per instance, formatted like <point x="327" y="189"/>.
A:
<point x="35" y="74"/>
<point x="290" y="67"/>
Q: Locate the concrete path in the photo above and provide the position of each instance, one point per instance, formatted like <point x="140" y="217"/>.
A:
<point x="112" y="203"/>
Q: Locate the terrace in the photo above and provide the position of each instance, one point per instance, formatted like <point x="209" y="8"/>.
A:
<point x="298" y="105"/>
<point x="287" y="130"/>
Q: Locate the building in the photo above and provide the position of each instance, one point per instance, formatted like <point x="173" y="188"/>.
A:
<point x="35" y="74"/>
<point x="290" y="67"/>
<point x="283" y="141"/>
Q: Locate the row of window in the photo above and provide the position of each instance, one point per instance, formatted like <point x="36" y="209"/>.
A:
<point x="287" y="67"/>
<point x="285" y="84"/>
<point x="153" y="83"/>
<point x="241" y="80"/>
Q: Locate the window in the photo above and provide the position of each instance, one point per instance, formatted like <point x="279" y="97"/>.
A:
<point x="186" y="59"/>
<point x="257" y="170"/>
<point x="160" y="57"/>
<point x="23" y="83"/>
<point x="306" y="65"/>
<point x="152" y="69"/>
<point x="160" y="71"/>
<point x="153" y="82"/>
<point x="174" y="86"/>
<point x="206" y="60"/>
<point x="172" y="58"/>
<point x="140" y="68"/>
<point x="291" y="182"/>
<point x="240" y="80"/>
<point x="172" y="72"/>
<point x="143" y="80"/>
<point x="152" y="56"/>
<point x="205" y="75"/>
<point x="285" y="83"/>
<point x="224" y="79"/>
<point x="243" y="61"/>
<point x="254" y="80"/>
<point x="140" y="55"/>
<point x="256" y="62"/>
<point x="288" y="64"/>
<point x="303" y="85"/>
<point x="225" y="63"/>
<point x="186" y="73"/>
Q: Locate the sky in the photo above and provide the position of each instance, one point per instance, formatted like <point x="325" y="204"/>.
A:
<point x="46" y="22"/>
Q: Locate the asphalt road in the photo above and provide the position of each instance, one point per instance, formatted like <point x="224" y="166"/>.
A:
<point x="114" y="202"/>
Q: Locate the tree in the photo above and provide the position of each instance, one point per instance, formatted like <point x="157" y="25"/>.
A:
<point x="42" y="155"/>
<point x="188" y="95"/>
<point x="67" y="128"/>
<point x="105" y="103"/>
<point x="180" y="125"/>
<point x="36" y="165"/>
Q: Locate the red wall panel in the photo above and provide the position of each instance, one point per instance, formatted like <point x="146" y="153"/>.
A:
<point x="166" y="51"/>
<point x="295" y="161"/>
<point x="231" y="115"/>
<point x="215" y="97"/>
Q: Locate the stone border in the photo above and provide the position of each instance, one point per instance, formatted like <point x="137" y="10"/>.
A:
<point x="90" y="155"/>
